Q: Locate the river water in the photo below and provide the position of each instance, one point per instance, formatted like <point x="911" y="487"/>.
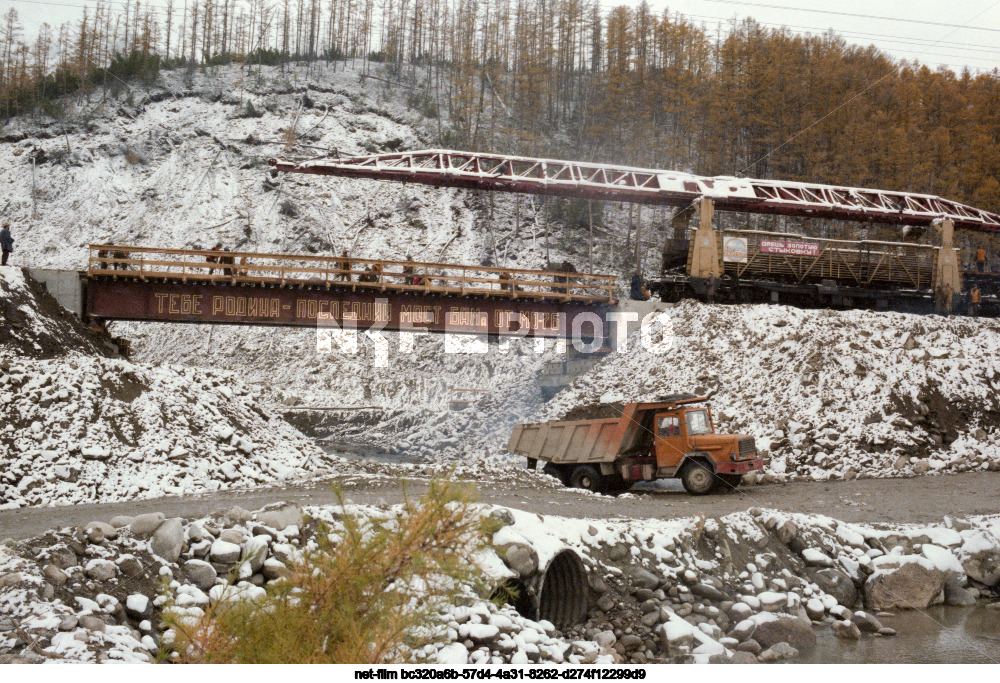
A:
<point x="938" y="635"/>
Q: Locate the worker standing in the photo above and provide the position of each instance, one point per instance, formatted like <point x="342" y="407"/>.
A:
<point x="981" y="260"/>
<point x="6" y="243"/>
<point x="974" y="297"/>
<point x="345" y="267"/>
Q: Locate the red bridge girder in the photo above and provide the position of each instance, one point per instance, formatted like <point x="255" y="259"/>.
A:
<point x="127" y="298"/>
<point x="504" y="173"/>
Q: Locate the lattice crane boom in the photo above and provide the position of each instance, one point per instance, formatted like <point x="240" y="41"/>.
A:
<point x="504" y="173"/>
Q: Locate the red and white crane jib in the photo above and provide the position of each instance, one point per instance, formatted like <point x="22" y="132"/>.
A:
<point x="505" y="173"/>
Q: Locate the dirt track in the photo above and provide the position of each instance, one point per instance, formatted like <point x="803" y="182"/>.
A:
<point x="920" y="499"/>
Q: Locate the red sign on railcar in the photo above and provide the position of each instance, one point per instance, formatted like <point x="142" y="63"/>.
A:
<point x="788" y="248"/>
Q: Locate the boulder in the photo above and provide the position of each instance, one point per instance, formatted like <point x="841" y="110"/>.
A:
<point x="280" y="516"/>
<point x="121" y="521"/>
<point x="235" y="536"/>
<point x="92" y="623"/>
<point x="642" y="578"/>
<point x="606" y="639"/>
<point x="777" y="652"/>
<point x="130" y="566"/>
<point x="911" y="585"/>
<point x="225" y="552"/>
<point x="676" y="638"/>
<point x="836" y="583"/>
<point x="866" y="623"/>
<point x="143" y="526"/>
<point x="521" y="558"/>
<point x="255" y="552"/>
<point x="201" y="574"/>
<point x="781" y="628"/>
<point x="847" y="630"/>
<point x="743" y="630"/>
<point x="983" y="566"/>
<point x="100" y="570"/>
<point x="63" y="557"/>
<point x="54" y="575"/>
<point x="168" y="540"/>
<point x="708" y="592"/>
<point x="138" y="607"/>
<point x="273" y="569"/>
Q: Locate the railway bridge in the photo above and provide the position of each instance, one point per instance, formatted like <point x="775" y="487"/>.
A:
<point x="252" y="288"/>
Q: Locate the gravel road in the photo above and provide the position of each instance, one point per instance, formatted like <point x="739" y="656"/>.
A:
<point x="918" y="499"/>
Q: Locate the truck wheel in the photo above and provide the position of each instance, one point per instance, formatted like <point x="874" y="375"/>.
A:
<point x="615" y="485"/>
<point x="555" y="471"/>
<point x="586" y="477"/>
<point x="697" y="479"/>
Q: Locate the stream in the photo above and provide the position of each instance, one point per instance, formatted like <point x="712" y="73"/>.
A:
<point x="937" y="635"/>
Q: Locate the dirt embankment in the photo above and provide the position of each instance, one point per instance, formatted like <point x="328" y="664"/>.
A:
<point x="36" y="326"/>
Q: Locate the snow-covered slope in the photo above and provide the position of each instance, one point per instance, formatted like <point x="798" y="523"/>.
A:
<point x="826" y="393"/>
<point x="185" y="167"/>
<point x="78" y="427"/>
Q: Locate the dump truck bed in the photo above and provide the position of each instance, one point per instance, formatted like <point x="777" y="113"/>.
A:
<point x="579" y="442"/>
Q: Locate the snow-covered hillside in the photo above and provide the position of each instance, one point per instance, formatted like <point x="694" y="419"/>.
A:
<point x="183" y="166"/>
<point x="826" y="393"/>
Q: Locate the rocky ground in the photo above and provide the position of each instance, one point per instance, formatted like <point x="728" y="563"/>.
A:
<point x="750" y="586"/>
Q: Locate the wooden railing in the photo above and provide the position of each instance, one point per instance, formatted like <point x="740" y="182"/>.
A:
<point x="295" y="270"/>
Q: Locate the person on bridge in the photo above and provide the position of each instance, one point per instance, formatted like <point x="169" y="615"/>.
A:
<point x="345" y="267"/>
<point x="408" y="272"/>
<point x="981" y="260"/>
<point x="213" y="258"/>
<point x="227" y="262"/>
<point x="6" y="244"/>
<point x="637" y="291"/>
<point x="974" y="298"/>
<point x="119" y="256"/>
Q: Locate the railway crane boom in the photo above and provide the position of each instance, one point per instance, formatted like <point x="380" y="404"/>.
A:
<point x="505" y="173"/>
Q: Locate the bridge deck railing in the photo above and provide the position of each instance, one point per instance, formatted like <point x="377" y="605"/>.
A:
<point x="294" y="270"/>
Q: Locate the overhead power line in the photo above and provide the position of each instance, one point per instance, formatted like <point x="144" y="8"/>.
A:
<point x="812" y="10"/>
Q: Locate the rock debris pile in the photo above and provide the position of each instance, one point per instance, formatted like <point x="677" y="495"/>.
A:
<point x="751" y="586"/>
<point x="827" y="394"/>
<point x="87" y="429"/>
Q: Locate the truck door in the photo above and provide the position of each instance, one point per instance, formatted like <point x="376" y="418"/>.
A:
<point x="670" y="441"/>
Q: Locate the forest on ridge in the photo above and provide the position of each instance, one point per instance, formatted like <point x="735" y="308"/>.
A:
<point x="562" y="78"/>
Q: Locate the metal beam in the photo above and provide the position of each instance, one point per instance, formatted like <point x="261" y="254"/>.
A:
<point x="242" y="304"/>
<point x="503" y="173"/>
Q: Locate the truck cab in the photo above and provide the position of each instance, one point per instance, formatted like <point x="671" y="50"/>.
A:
<point x="685" y="439"/>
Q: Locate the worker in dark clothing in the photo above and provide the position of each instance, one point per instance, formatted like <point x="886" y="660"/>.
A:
<point x="636" y="290"/>
<point x="408" y="272"/>
<point x="6" y="243"/>
<point x="214" y="258"/>
<point x="102" y="254"/>
<point x="981" y="260"/>
<point x="227" y="262"/>
<point x="345" y="266"/>
<point x="119" y="255"/>
<point x="974" y="298"/>
<point x="710" y="289"/>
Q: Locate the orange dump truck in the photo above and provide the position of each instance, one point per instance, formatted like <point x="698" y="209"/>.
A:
<point x="673" y="437"/>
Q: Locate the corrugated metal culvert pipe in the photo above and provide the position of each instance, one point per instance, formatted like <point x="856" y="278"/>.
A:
<point x="560" y="593"/>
